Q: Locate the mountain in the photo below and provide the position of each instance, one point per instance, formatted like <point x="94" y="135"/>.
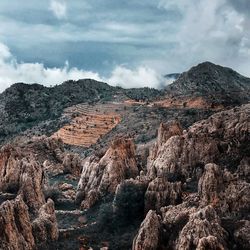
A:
<point x="205" y="86"/>
<point x="84" y="165"/>
<point x="23" y="106"/>
<point x="215" y="84"/>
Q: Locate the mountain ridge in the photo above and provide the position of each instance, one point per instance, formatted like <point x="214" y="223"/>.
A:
<point x="205" y="86"/>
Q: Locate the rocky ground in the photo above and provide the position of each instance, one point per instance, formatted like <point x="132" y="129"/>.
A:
<point x="131" y="169"/>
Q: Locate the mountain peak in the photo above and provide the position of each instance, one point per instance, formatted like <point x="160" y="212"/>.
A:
<point x="209" y="67"/>
<point x="212" y="82"/>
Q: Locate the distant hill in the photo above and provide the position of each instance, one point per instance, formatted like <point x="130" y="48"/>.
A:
<point x="23" y="106"/>
<point x="216" y="84"/>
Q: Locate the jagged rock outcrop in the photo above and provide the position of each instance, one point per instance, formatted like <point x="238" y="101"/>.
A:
<point x="18" y="231"/>
<point x="102" y="176"/>
<point x="237" y="198"/>
<point x="15" y="225"/>
<point x="242" y="234"/>
<point x="211" y="184"/>
<point x="72" y="164"/>
<point x="45" y="225"/>
<point x="209" y="242"/>
<point x="22" y="176"/>
<point x="244" y="169"/>
<point x="182" y="227"/>
<point x="174" y="218"/>
<point x="165" y="132"/>
<point x="168" y="130"/>
<point x="149" y="233"/>
<point x="50" y="153"/>
<point x="207" y="168"/>
<point x="222" y="139"/>
<point x="198" y="231"/>
<point x="196" y="223"/>
<point x="161" y="193"/>
<point x="225" y="191"/>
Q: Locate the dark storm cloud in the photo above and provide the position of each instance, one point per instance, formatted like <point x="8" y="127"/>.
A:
<point x="241" y="5"/>
<point x="111" y="39"/>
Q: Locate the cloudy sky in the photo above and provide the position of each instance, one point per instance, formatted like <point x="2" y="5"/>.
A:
<point x="125" y="42"/>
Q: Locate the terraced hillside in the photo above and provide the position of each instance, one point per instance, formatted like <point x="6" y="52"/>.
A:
<point x="25" y="107"/>
<point x="94" y="126"/>
<point x="89" y="123"/>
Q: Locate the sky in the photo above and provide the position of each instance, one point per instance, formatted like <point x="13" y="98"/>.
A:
<point x="128" y="43"/>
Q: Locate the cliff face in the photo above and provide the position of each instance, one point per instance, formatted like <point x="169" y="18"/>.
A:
<point x="21" y="217"/>
<point x="101" y="176"/>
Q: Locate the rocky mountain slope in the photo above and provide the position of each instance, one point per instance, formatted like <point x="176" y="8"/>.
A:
<point x="84" y="165"/>
<point x="209" y="85"/>
<point x="23" y="106"/>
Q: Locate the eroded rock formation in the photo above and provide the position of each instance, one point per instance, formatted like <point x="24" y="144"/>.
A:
<point x="21" y="217"/>
<point x="45" y="225"/>
<point x="199" y="185"/>
<point x="15" y="225"/>
<point x="204" y="227"/>
<point x="21" y="174"/>
<point x="101" y="176"/>
<point x="149" y="233"/>
<point x="160" y="193"/>
<point x="220" y="139"/>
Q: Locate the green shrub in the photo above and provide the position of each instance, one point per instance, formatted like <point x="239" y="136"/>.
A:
<point x="129" y="203"/>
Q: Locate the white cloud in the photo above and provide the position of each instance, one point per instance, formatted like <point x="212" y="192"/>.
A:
<point x="58" y="8"/>
<point x="4" y="52"/>
<point x="139" y="77"/>
<point x="169" y="80"/>
<point x="12" y="71"/>
<point x="209" y="30"/>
